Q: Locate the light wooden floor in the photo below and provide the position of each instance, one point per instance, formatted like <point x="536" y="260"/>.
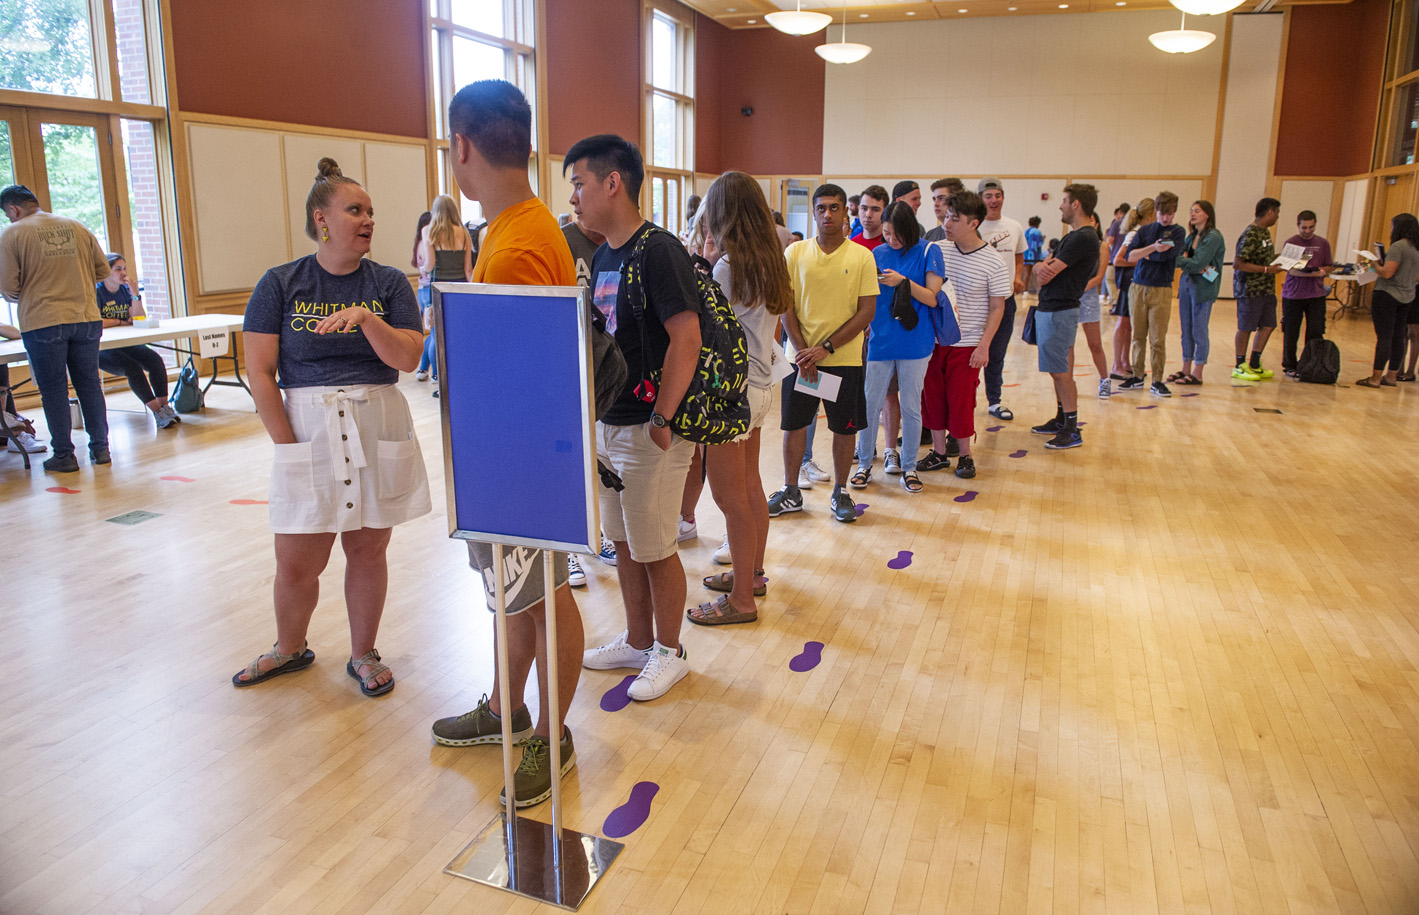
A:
<point x="1174" y="671"/>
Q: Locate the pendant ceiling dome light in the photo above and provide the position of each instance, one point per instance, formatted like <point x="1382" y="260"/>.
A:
<point x="844" y="52"/>
<point x="1181" y="40"/>
<point x="800" y="22"/>
<point x="1206" y="7"/>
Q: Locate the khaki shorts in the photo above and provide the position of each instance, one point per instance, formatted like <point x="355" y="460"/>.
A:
<point x="646" y="513"/>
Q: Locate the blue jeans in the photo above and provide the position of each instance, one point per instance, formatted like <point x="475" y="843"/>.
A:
<point x="911" y="374"/>
<point x="430" y="360"/>
<point x="1193" y="316"/>
<point x="995" y="368"/>
<point x="72" y="349"/>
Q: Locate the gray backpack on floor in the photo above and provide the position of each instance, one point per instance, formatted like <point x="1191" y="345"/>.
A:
<point x="187" y="395"/>
<point x="1320" y="362"/>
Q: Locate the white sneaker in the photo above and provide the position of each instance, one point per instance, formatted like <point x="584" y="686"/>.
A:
<point x="576" y="575"/>
<point x="422" y="376"/>
<point x="663" y="669"/>
<point x="616" y="655"/>
<point x="687" y="531"/>
<point x="23" y="441"/>
<point x="721" y="555"/>
<point x="892" y="461"/>
<point x="1105" y="389"/>
<point x="816" y="472"/>
<point x="805" y="479"/>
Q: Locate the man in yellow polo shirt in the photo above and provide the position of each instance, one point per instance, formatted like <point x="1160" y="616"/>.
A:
<point x="834" y="298"/>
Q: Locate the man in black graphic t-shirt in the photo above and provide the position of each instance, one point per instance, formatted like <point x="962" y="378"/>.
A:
<point x="1062" y="279"/>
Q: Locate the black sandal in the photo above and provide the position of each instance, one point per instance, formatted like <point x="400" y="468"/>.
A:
<point x="860" y="479"/>
<point x="911" y="482"/>
<point x="285" y="664"/>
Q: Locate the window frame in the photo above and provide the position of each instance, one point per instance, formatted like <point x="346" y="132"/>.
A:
<point x="683" y="171"/>
<point x="521" y="66"/>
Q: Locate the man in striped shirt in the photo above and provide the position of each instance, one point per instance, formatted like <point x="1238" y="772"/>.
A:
<point x="979" y="284"/>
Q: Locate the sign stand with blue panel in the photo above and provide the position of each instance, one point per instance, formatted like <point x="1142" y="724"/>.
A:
<point x="516" y="375"/>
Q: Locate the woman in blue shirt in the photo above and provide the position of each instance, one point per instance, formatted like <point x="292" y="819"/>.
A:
<point x="892" y="347"/>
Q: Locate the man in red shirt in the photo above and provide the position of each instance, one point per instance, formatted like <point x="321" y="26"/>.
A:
<point x="869" y="211"/>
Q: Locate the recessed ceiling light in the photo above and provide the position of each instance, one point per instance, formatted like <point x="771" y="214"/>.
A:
<point x="960" y="11"/>
<point x="752" y="21"/>
<point x="861" y="15"/>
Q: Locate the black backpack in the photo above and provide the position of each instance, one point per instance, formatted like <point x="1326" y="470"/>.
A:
<point x="1320" y="362"/>
<point x="609" y="370"/>
<point x="715" y="410"/>
<point x="187" y="395"/>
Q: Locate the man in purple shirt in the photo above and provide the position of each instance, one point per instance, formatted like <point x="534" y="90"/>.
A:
<point x="1303" y="293"/>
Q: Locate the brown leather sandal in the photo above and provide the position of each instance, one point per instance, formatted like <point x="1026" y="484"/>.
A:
<point x="719" y="613"/>
<point x="724" y="583"/>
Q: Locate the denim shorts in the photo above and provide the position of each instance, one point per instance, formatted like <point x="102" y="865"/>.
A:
<point x="1054" y="335"/>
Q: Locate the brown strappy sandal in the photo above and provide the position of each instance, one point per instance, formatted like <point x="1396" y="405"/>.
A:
<point x="371" y="660"/>
<point x="724" y="583"/>
<point x="719" y="613"/>
<point x="285" y="664"/>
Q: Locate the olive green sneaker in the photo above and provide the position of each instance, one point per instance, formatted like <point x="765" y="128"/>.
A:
<point x="532" y="782"/>
<point x="481" y="726"/>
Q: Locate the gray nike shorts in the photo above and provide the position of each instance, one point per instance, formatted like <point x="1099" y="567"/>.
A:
<point x="522" y="574"/>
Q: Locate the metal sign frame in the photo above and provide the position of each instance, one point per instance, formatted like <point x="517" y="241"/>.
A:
<point x="536" y="343"/>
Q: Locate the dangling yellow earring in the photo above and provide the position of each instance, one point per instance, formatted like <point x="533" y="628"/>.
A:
<point x="324" y="234"/>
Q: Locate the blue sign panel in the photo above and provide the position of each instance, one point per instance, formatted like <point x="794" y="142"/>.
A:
<point x="518" y="415"/>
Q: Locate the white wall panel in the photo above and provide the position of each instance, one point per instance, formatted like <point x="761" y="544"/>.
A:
<point x="396" y="177"/>
<point x="237" y="205"/>
<point x="1305" y="195"/>
<point x="1014" y="96"/>
<point x="1246" y="125"/>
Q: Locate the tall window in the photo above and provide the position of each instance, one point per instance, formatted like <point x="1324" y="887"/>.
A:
<point x="471" y="40"/>
<point x="1400" y="117"/>
<point x="106" y="164"/>
<point x="669" y="116"/>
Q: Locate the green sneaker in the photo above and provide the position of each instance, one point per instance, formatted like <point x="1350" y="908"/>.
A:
<point x="532" y="782"/>
<point x="1260" y="372"/>
<point x="481" y="726"/>
<point x="1245" y="373"/>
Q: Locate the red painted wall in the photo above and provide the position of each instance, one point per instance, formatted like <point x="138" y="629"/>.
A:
<point x="593" y="71"/>
<point x="782" y="79"/>
<point x="1330" y="95"/>
<point x="264" y="59"/>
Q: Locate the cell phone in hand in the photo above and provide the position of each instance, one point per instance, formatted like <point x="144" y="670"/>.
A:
<point x="1165" y="243"/>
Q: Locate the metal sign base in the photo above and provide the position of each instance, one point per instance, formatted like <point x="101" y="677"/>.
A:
<point x="529" y="868"/>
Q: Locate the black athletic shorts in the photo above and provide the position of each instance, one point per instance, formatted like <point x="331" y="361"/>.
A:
<point x="846" y="416"/>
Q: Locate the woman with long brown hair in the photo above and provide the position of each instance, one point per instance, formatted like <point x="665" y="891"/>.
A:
<point x="748" y="265"/>
<point x="1141" y="215"/>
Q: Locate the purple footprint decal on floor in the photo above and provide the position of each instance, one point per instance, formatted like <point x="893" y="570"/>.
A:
<point x="994" y="428"/>
<point x="967" y="496"/>
<point x="808" y="658"/>
<point x="1151" y="406"/>
<point x="1019" y="454"/>
<point x="631" y="815"/>
<point x="861" y="507"/>
<point x="904" y="559"/>
<point x="618" y="697"/>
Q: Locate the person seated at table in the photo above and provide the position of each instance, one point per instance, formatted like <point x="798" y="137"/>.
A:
<point x="326" y="338"/>
<point x="144" y="368"/>
<point x="21" y="440"/>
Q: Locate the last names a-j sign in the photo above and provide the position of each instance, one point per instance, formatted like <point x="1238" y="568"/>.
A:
<point x="518" y="414"/>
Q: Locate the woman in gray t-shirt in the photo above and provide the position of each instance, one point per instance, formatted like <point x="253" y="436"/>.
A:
<point x="1392" y="299"/>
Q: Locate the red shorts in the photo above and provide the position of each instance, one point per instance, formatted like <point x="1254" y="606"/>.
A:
<point x="948" y="396"/>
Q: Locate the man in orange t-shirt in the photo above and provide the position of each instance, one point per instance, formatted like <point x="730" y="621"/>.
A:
<point x="491" y="126"/>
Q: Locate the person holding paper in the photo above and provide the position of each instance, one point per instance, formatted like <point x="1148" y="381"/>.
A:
<point x="835" y="295"/>
<point x="1201" y="267"/>
<point x="1303" y="293"/>
<point x="491" y="126"/>
<point x="741" y="242"/>
<point x="326" y="338"/>
<point x="1392" y="300"/>
<point x="1252" y="270"/>
<point x="1153" y="253"/>
<point x="634" y="437"/>
<point x="1062" y="277"/>
<point x="144" y="368"/>
<point x="900" y="344"/>
<point x="981" y="281"/>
